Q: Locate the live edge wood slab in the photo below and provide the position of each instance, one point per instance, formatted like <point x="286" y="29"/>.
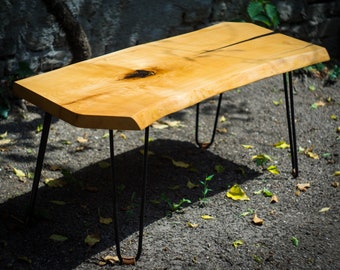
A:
<point x="132" y="88"/>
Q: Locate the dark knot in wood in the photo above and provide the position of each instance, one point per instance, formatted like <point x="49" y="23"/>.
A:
<point x="139" y="73"/>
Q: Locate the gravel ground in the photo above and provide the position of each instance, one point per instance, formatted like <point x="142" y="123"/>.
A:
<point x="79" y="157"/>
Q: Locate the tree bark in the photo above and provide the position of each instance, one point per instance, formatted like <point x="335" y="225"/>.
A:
<point x="75" y="34"/>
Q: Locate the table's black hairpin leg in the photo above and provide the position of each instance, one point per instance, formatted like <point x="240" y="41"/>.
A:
<point x="39" y="165"/>
<point x="206" y="145"/>
<point x="122" y="259"/>
<point x="288" y="87"/>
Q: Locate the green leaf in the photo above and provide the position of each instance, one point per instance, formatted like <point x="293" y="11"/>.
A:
<point x="273" y="169"/>
<point x="254" y="9"/>
<point x="295" y="241"/>
<point x="39" y="128"/>
<point x="237" y="243"/>
<point x="263" y="19"/>
<point x="58" y="238"/>
<point x="273" y="15"/>
<point x="267" y="192"/>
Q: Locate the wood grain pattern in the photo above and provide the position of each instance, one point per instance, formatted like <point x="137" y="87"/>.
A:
<point x="132" y="88"/>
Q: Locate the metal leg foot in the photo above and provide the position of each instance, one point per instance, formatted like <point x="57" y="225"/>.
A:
<point x="288" y="87"/>
<point x="39" y="165"/>
<point x="123" y="259"/>
<point x="206" y="145"/>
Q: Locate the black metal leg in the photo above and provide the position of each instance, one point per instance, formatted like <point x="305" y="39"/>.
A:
<point x="122" y="259"/>
<point x="288" y="87"/>
<point x="206" y="145"/>
<point x="39" y="165"/>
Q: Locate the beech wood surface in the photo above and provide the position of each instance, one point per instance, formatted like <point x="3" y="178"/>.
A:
<point x="132" y="88"/>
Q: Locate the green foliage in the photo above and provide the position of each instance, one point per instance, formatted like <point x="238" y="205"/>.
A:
<point x="174" y="207"/>
<point x="206" y="189"/>
<point x="263" y="12"/>
<point x="6" y="87"/>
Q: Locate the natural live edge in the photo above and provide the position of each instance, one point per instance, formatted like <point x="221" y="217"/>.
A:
<point x="132" y="88"/>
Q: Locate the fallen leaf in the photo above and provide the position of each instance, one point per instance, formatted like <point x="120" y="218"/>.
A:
<point x="55" y="167"/>
<point x="312" y="155"/>
<point x="207" y="217"/>
<point x="19" y="173"/>
<point x="191" y="185"/>
<point x="247" y="146"/>
<point x="82" y="140"/>
<point x="54" y="183"/>
<point x="335" y="184"/>
<point x="192" y="225"/>
<point x="39" y="128"/>
<point x="261" y="159"/>
<point x="3" y="135"/>
<point x="273" y="169"/>
<point x="248" y="212"/>
<point x="24" y="259"/>
<point x="303" y="187"/>
<point x="5" y="141"/>
<point x="295" y="241"/>
<point x="281" y="145"/>
<point x="334" y="117"/>
<point x="111" y="259"/>
<point x="277" y="102"/>
<point x="104" y="220"/>
<point x="104" y="164"/>
<point x="325" y="209"/>
<point x="123" y="136"/>
<point x="337" y="173"/>
<point x="219" y="168"/>
<point x="222" y="130"/>
<point x="58" y="238"/>
<point x="257" y="220"/>
<point x="237" y="193"/>
<point x="158" y="125"/>
<point x="274" y="199"/>
<point x="180" y="164"/>
<point x="150" y="153"/>
<point x="58" y="202"/>
<point x="223" y="119"/>
<point x="174" y="123"/>
<point x="237" y="243"/>
<point x="92" y="239"/>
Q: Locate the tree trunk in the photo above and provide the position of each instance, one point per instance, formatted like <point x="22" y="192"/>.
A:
<point x="76" y="37"/>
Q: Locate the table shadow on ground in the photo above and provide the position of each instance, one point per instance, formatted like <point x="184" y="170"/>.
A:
<point x="74" y="209"/>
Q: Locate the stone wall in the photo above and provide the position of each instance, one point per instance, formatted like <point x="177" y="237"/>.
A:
<point x="29" y="33"/>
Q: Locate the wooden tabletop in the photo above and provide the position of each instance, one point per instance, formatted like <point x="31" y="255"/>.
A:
<point x="132" y="88"/>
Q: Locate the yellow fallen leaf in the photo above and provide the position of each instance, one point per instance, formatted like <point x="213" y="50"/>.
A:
<point x="281" y="145"/>
<point x="274" y="199"/>
<point x="55" y="183"/>
<point x="247" y="146"/>
<point x="111" y="259"/>
<point x="5" y="141"/>
<point x="123" y="136"/>
<point x="325" y="209"/>
<point x="303" y="187"/>
<point x="222" y="130"/>
<point x="3" y="135"/>
<point x="191" y="185"/>
<point x="92" y="239"/>
<point x="337" y="173"/>
<point x="207" y="217"/>
<point x="174" y="123"/>
<point x="158" y="125"/>
<point x="150" y="153"/>
<point x="236" y="193"/>
<point x="180" y="164"/>
<point x="237" y="243"/>
<point x="312" y="155"/>
<point x="82" y="140"/>
<point x="58" y="238"/>
<point x="334" y="117"/>
<point x="257" y="220"/>
<point x="192" y="225"/>
<point x="273" y="169"/>
<point x="223" y="119"/>
<point x="19" y="173"/>
<point x="104" y="220"/>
